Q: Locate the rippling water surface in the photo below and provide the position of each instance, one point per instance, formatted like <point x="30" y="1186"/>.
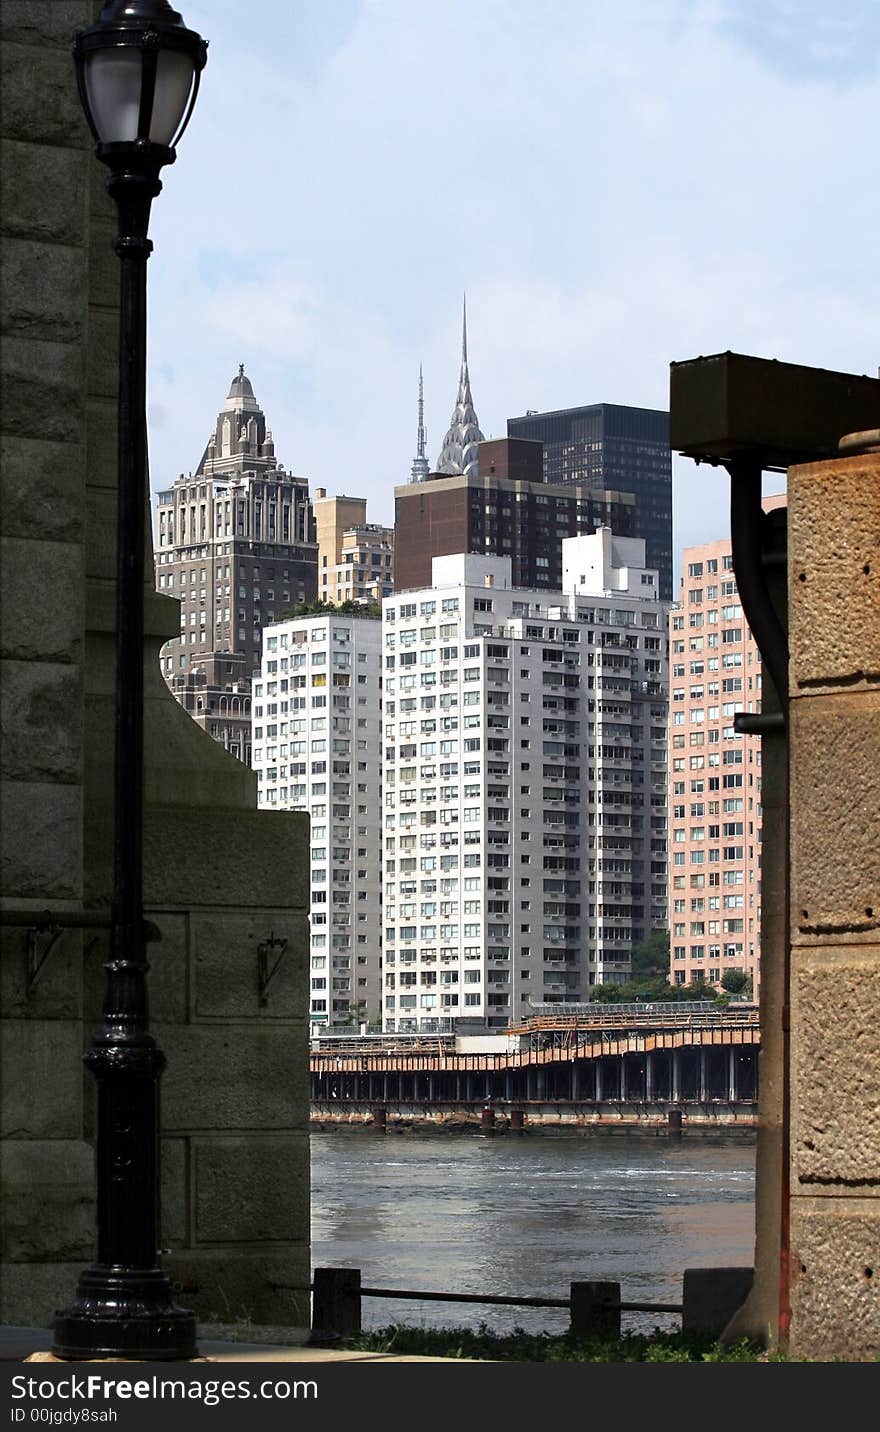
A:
<point x="473" y="1213"/>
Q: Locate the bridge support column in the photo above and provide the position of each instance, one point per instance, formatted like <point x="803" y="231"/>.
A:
<point x="703" y="1090"/>
<point x="676" y="1076"/>
<point x="508" y="1086"/>
<point x="575" y="1081"/>
<point x="597" y="1075"/>
<point x="649" y="1078"/>
<point x="731" y="1074"/>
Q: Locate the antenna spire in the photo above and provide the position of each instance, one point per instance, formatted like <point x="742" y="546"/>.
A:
<point x="420" y="467"/>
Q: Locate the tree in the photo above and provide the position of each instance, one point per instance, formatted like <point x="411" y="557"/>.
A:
<point x="320" y="608"/>
<point x="651" y="956"/>
<point x="736" y="982"/>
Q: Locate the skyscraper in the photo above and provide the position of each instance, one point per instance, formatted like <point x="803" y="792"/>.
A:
<point x="502" y="507"/>
<point x="620" y="448"/>
<point x="524" y="784"/>
<point x="354" y="555"/>
<point x="715" y="801"/>
<point x="317" y="733"/>
<point x="235" y="545"/>
<point x="459" y="452"/>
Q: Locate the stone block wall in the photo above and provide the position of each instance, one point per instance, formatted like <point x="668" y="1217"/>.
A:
<point x="220" y="878"/>
<point x="834" y="597"/>
<point x="47" y="1166"/>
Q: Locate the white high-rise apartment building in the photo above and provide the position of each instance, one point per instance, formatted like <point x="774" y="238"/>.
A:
<point x="316" y="732"/>
<point x="524" y="781"/>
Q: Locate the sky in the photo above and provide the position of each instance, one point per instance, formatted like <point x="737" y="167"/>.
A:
<point x="615" y="185"/>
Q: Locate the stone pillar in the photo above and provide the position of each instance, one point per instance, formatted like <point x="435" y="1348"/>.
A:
<point x="220" y="878"/>
<point x="47" y="1189"/>
<point x="834" y="598"/>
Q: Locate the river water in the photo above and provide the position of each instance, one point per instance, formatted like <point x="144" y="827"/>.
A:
<point x="508" y="1214"/>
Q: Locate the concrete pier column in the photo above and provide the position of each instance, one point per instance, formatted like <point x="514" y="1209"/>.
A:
<point x="597" y="1076"/>
<point x="575" y="1081"/>
<point x="703" y="1089"/>
<point x="731" y="1074"/>
<point x="676" y="1076"/>
<point x="649" y="1078"/>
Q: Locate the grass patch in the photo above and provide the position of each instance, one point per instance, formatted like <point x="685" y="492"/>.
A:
<point x="520" y="1346"/>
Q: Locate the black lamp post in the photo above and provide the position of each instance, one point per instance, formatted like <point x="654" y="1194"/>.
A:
<point x="138" y="73"/>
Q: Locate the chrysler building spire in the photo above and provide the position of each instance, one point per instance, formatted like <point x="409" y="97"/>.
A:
<point x="459" y="453"/>
<point x="420" y="466"/>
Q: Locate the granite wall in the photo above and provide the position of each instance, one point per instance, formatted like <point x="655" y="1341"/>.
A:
<point x="220" y="878"/>
<point x="834" y="601"/>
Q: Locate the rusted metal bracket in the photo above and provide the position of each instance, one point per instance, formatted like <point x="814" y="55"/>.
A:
<point x="275" y="948"/>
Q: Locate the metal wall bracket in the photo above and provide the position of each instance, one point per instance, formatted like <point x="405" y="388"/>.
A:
<point x="272" y="949"/>
<point x="36" y="960"/>
<point x="53" y="923"/>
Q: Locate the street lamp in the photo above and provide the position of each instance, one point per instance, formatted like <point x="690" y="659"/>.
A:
<point x="138" y="72"/>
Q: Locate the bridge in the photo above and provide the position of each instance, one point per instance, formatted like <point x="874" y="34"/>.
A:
<point x="591" y="1063"/>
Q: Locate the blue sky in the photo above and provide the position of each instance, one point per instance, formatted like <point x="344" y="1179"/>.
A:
<point x="616" y="186"/>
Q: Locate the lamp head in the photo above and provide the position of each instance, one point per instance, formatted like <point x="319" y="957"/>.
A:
<point x="138" y="69"/>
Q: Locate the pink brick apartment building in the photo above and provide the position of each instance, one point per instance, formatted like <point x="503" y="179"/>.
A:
<point x="714" y="774"/>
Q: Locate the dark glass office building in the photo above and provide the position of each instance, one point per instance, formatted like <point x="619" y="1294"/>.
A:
<point x="619" y="449"/>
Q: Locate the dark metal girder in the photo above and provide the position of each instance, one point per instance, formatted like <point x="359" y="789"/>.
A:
<point x="730" y="406"/>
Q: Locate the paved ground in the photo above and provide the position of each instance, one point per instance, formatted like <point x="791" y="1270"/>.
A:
<point x="33" y="1344"/>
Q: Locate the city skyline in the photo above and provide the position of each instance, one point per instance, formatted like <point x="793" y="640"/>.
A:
<point x="678" y="163"/>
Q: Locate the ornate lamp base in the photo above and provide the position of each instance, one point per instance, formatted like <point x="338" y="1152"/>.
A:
<point x="124" y="1313"/>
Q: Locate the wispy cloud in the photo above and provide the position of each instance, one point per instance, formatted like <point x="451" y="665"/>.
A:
<point x="616" y="185"/>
